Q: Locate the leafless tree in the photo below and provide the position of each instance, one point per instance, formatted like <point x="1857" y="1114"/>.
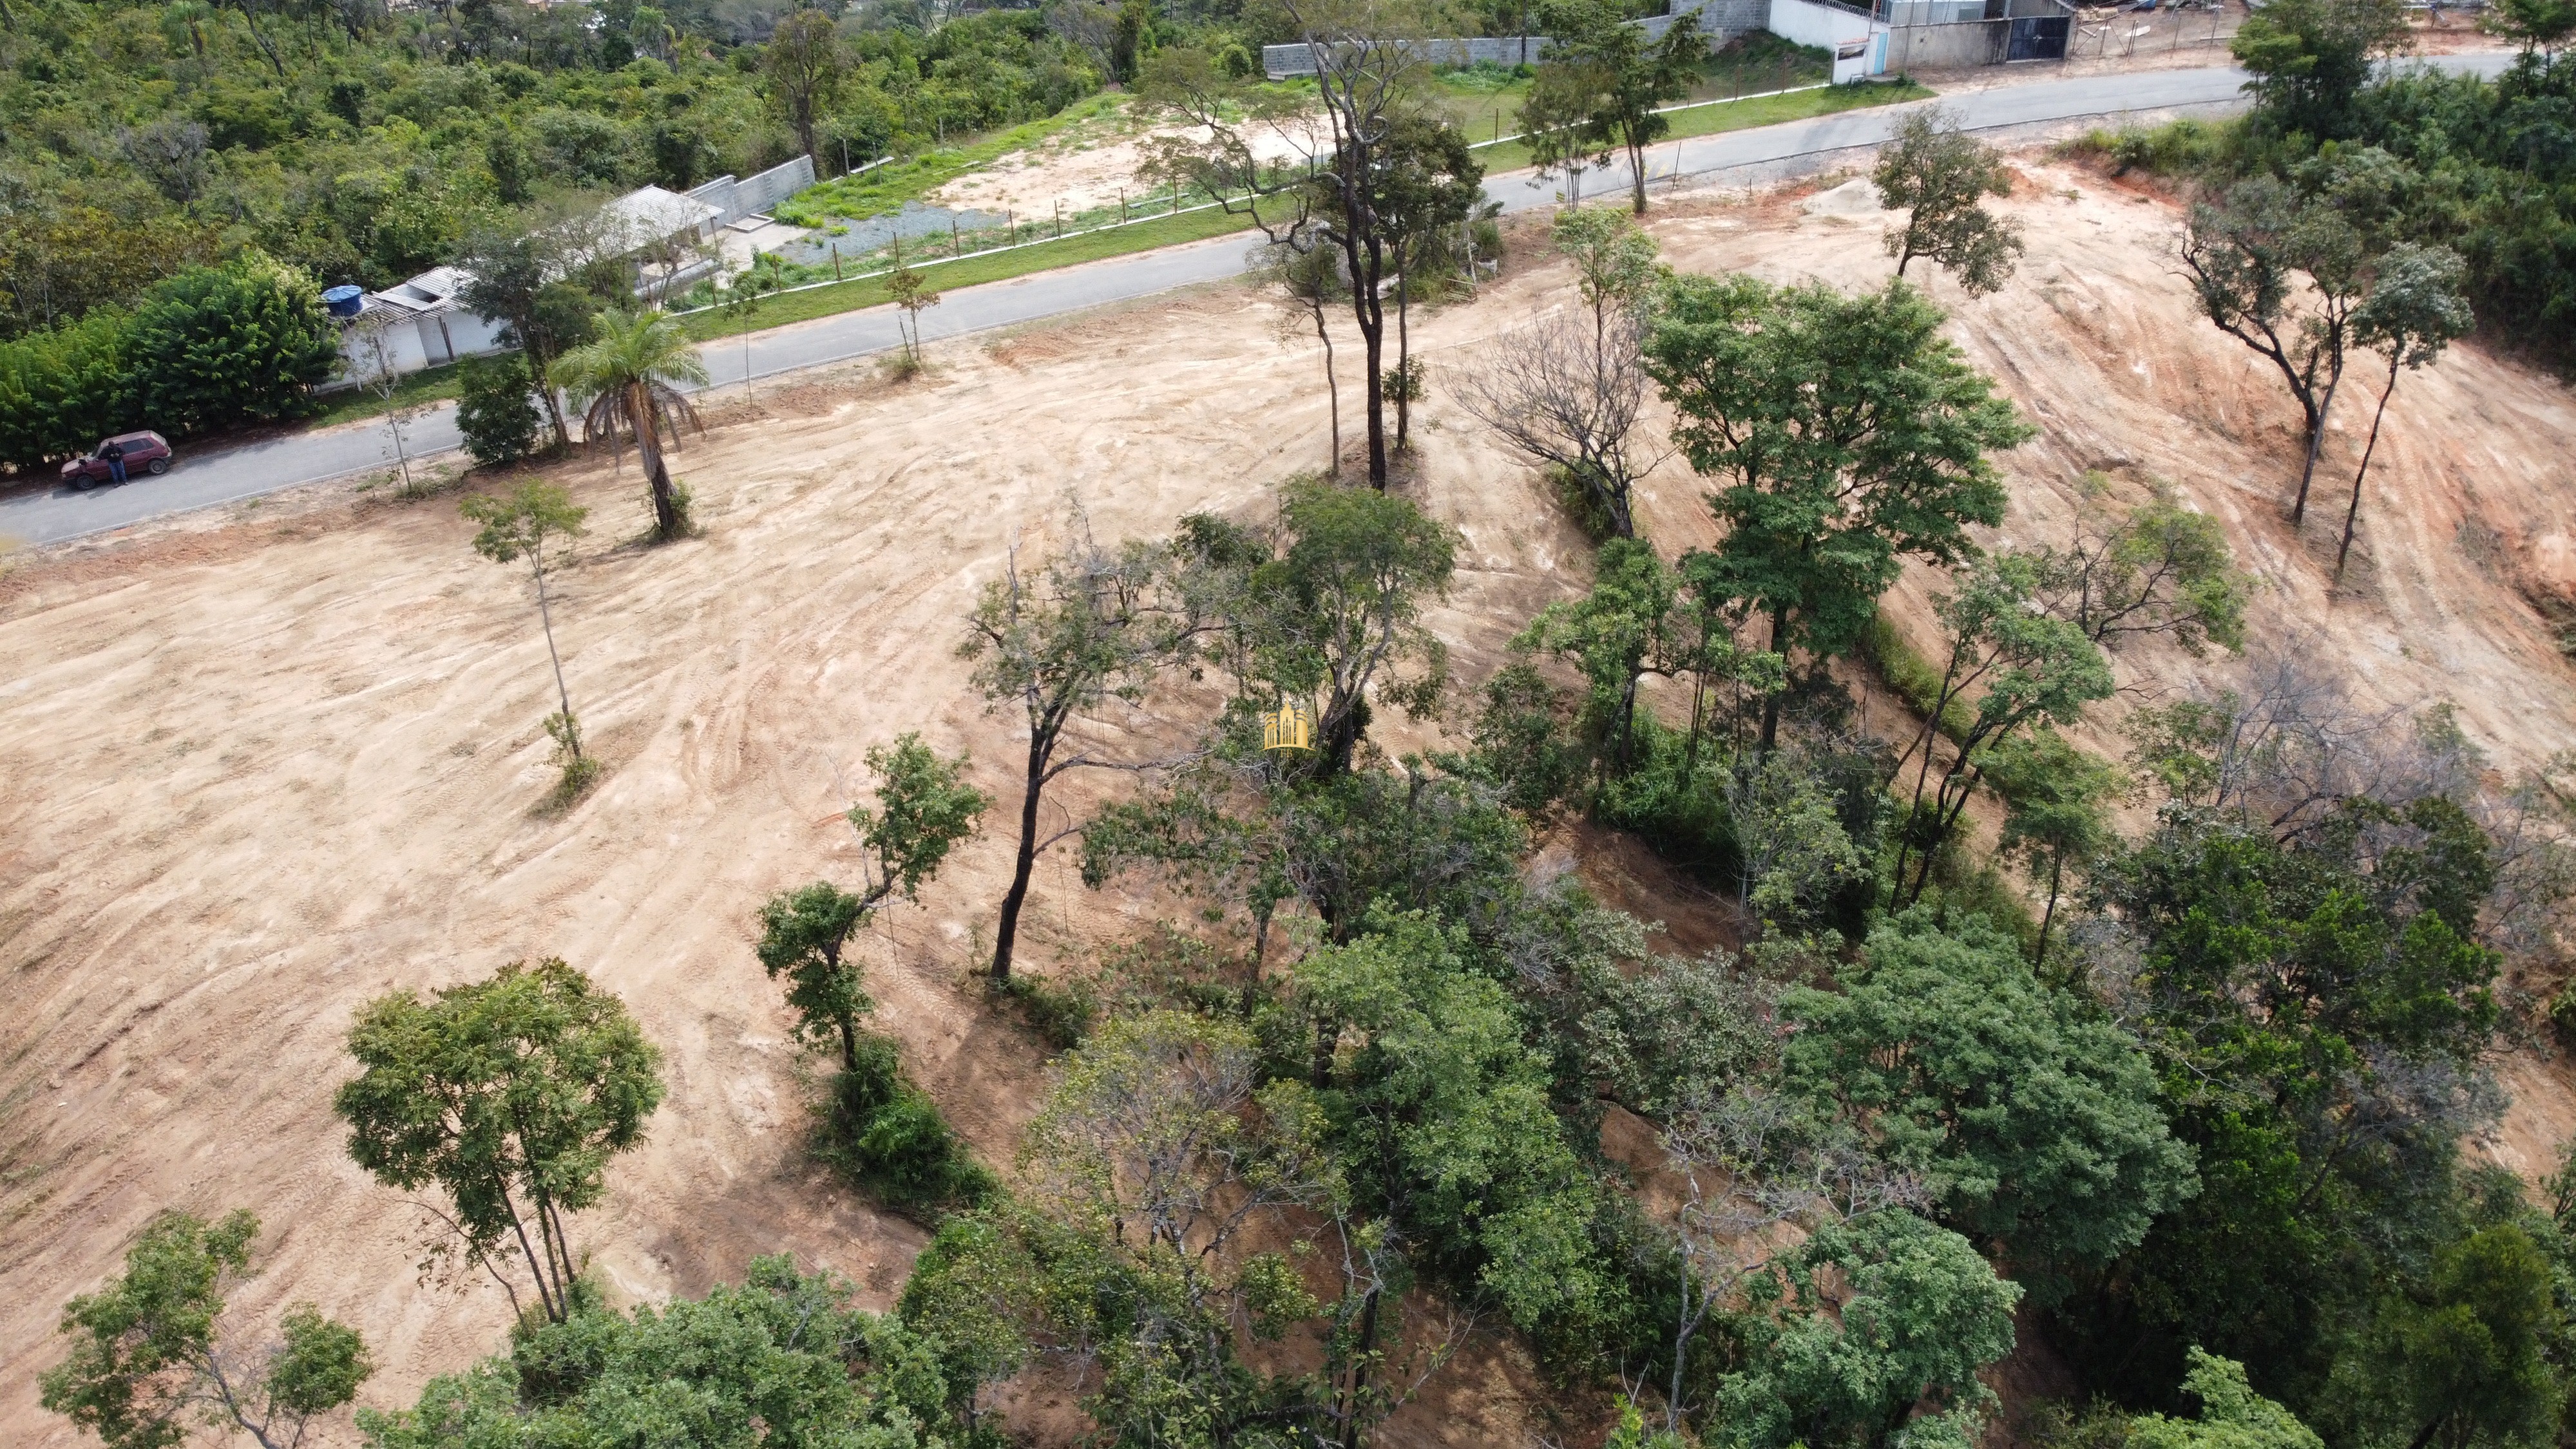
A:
<point x="1565" y="394"/>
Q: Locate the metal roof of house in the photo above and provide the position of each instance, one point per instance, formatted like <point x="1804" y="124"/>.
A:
<point x="650" y="214"/>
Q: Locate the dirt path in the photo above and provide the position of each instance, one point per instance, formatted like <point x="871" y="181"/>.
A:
<point x="261" y="767"/>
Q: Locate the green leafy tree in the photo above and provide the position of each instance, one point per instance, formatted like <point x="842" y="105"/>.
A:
<point x="2317" y="1007"/>
<point x="2030" y="668"/>
<point x="1597" y="89"/>
<point x="2232" y="1415"/>
<point x="1627" y="627"/>
<point x="784" y="1359"/>
<point x="520" y="527"/>
<point x="2246" y="254"/>
<point x="525" y="279"/>
<point x="2414" y="311"/>
<point x="1439" y="1113"/>
<point x="2470" y="1364"/>
<point x="2033" y="1120"/>
<point x="2311" y="58"/>
<point x="2056" y="813"/>
<point x="219" y="347"/>
<point x="63" y="389"/>
<point x="1327" y="610"/>
<point x="1867" y="1321"/>
<point x="924" y="808"/>
<point x="627" y="381"/>
<point x="1089" y="625"/>
<point x="1847" y="434"/>
<point x="805" y="67"/>
<point x="2539" y="26"/>
<point x="1939" y="176"/>
<point x="149" y="1354"/>
<point x="1431" y="184"/>
<point x="496" y="412"/>
<point x="2163" y="570"/>
<point x="510" y="1095"/>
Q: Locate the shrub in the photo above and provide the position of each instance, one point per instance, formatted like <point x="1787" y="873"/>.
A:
<point x="885" y="1135"/>
<point x="217" y="347"/>
<point x="498" y="410"/>
<point x="63" y="390"/>
<point x="1061" y="1012"/>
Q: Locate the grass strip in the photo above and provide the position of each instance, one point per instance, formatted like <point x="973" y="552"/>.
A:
<point x="1711" y="120"/>
<point x="804" y="306"/>
<point x="429" y="385"/>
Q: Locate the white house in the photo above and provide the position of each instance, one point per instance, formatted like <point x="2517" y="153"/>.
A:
<point x="423" y="323"/>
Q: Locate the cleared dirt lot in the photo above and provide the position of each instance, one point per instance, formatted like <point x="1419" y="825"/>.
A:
<point x="255" y="769"/>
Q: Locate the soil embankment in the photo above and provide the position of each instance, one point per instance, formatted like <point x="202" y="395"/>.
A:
<point x="262" y="766"/>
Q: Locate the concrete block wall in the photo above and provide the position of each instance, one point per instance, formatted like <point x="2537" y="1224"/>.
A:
<point x="1287" y="60"/>
<point x="738" y="197"/>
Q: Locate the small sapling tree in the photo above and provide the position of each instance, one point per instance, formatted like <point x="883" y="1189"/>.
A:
<point x="510" y="1095"/>
<point x="2164" y="569"/>
<point x="2414" y="311"/>
<point x="1938" y="175"/>
<point x="924" y="808"/>
<point x="150" y="1352"/>
<point x="1087" y="626"/>
<point x="519" y="527"/>
<point x="1309" y="280"/>
<point x="910" y="293"/>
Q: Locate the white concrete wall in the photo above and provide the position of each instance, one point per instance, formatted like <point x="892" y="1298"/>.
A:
<point x="1827" y="27"/>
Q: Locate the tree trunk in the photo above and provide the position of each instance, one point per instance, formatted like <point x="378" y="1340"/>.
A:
<point x="1359" y="1372"/>
<point x="554" y="408"/>
<point x="2352" y="514"/>
<point x="1637" y="171"/>
<point x="2316" y="446"/>
<point x="849" y="1045"/>
<point x="2048" y="917"/>
<point x="1332" y="390"/>
<point x="546" y="614"/>
<point x="1403" y="348"/>
<point x="1368" y="264"/>
<point x="1771" y="705"/>
<point x="648" y="443"/>
<point x="1006" y="931"/>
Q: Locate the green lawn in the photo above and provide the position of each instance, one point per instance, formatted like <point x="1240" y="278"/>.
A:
<point x="778" y="311"/>
<point x="431" y="385"/>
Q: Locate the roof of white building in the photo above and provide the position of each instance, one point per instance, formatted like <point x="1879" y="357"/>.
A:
<point x="650" y="214"/>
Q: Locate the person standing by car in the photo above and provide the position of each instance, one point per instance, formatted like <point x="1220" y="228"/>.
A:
<point x="113" y="455"/>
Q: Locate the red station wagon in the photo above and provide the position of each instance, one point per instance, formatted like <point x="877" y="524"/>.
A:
<point x="145" y="452"/>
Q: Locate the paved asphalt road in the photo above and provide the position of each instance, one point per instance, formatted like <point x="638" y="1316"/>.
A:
<point x="45" y="515"/>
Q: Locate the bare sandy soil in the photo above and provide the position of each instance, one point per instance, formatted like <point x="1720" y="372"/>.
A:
<point x="262" y="766"/>
<point x="1089" y="166"/>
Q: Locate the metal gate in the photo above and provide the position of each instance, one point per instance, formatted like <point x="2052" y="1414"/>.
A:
<point x="2038" y="38"/>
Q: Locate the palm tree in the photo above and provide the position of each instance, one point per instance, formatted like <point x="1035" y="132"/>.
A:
<point x="627" y="381"/>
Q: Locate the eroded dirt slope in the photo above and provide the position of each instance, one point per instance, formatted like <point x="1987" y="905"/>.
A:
<point x="255" y="770"/>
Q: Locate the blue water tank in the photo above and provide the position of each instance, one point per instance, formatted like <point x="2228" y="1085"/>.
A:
<point x="345" y="301"/>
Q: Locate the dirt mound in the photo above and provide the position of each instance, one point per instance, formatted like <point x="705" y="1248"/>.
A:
<point x="259" y="772"/>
